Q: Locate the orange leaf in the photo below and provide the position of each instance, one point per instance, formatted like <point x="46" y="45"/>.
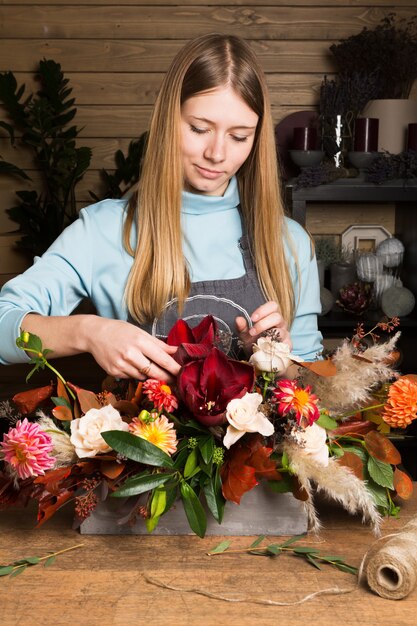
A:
<point x="237" y="477"/>
<point x="62" y="413"/>
<point x="382" y="448"/>
<point x="28" y="401"/>
<point x="298" y="490"/>
<point x="326" y="367"/>
<point x="111" y="469"/>
<point x="87" y="399"/>
<point x="353" y="462"/>
<point x="264" y="466"/>
<point x="126" y="408"/>
<point x="49" y="505"/>
<point x="353" y="426"/>
<point x="61" y="391"/>
<point x="403" y="484"/>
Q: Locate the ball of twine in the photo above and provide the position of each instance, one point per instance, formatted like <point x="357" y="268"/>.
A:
<point x="391" y="567"/>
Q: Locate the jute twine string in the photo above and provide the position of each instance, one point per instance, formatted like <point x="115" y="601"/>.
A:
<point x="390" y="566"/>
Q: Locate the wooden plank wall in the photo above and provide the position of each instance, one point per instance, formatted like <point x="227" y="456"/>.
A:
<point x="115" y="54"/>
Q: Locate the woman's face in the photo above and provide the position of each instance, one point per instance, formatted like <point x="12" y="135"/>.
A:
<point x="218" y="131"/>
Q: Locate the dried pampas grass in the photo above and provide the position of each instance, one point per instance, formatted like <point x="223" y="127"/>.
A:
<point x="63" y="450"/>
<point x="337" y="482"/>
<point x="357" y="375"/>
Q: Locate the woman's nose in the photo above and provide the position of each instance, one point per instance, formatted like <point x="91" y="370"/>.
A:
<point x="215" y="150"/>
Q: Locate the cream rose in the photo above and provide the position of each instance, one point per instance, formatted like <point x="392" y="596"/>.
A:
<point x="270" y="355"/>
<point x="243" y="417"/>
<point x="313" y="443"/>
<point x="86" y="430"/>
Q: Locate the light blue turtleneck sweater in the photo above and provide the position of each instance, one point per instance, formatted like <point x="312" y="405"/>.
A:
<point x="89" y="260"/>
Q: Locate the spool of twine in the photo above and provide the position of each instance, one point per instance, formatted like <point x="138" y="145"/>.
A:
<point x="391" y="564"/>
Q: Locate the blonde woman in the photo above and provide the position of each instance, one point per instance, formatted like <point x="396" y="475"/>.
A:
<point x="205" y="232"/>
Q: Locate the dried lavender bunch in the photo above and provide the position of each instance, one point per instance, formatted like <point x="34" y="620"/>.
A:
<point x="389" y="49"/>
<point x="318" y="175"/>
<point x="393" y="166"/>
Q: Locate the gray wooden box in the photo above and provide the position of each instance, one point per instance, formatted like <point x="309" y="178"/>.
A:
<point x="261" y="512"/>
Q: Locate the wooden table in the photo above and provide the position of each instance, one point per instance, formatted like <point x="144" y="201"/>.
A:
<point x="103" y="583"/>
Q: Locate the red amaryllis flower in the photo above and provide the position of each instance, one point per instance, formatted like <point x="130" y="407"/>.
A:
<point x="207" y="385"/>
<point x="299" y="400"/>
<point x="193" y="343"/>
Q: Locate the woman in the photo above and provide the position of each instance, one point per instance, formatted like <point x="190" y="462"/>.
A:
<point x="205" y="233"/>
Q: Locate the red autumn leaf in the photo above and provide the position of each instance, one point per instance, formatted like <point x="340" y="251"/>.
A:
<point x="353" y="426"/>
<point x="61" y="391"/>
<point x="111" y="469"/>
<point x="62" y="413"/>
<point x="264" y="466"/>
<point x="298" y="490"/>
<point x="381" y="448"/>
<point x="49" y="504"/>
<point x="28" y="401"/>
<point x="403" y="484"/>
<point x="247" y="463"/>
<point x="53" y="478"/>
<point x="125" y="407"/>
<point x="87" y="399"/>
<point x="353" y="462"/>
<point x="326" y="367"/>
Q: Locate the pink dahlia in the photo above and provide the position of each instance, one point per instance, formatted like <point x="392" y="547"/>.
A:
<point x="160" y="394"/>
<point x="158" y="430"/>
<point x="291" y="398"/>
<point x="26" y="448"/>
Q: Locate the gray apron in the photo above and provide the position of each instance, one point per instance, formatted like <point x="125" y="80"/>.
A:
<point x="223" y="299"/>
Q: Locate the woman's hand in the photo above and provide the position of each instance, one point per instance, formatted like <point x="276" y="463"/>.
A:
<point x="265" y="317"/>
<point x="125" y="351"/>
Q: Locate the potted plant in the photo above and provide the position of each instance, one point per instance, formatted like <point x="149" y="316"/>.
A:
<point x="44" y="121"/>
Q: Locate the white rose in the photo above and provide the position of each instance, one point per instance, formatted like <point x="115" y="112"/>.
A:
<point x="313" y="443"/>
<point x="244" y="417"/>
<point x="270" y="355"/>
<point x="86" y="430"/>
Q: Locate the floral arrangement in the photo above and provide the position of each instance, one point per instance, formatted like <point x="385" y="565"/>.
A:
<point x="222" y="428"/>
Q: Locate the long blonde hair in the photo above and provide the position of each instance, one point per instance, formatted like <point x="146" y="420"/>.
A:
<point x="159" y="269"/>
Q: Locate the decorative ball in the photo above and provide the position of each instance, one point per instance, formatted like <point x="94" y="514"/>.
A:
<point x="326" y="299"/>
<point x="397" y="301"/>
<point x="368" y="266"/>
<point x="381" y="284"/>
<point x="391" y="251"/>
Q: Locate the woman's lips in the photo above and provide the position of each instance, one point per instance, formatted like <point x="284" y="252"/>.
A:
<point x="211" y="174"/>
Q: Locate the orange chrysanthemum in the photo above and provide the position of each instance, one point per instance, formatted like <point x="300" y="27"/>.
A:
<point x="158" y="430"/>
<point x="401" y="407"/>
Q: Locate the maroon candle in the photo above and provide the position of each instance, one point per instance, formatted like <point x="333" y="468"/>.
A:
<point x="366" y="134"/>
<point x="304" y="138"/>
<point x="412" y="137"/>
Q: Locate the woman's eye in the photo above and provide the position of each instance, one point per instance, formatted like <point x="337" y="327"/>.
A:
<point x="237" y="138"/>
<point x="199" y="131"/>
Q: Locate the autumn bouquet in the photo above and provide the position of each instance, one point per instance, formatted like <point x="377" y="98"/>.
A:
<point x="225" y="426"/>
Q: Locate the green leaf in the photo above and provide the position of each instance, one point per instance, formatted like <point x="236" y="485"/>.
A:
<point x="382" y="473"/>
<point x="18" y="570"/>
<point x="191" y="463"/>
<point x="305" y="550"/>
<point x="6" y="570"/>
<point x="292" y="540"/>
<point x="283" y="485"/>
<point x="140" y="484"/>
<point x="206" y="447"/>
<point x="32" y="560"/>
<point x="158" y="503"/>
<point x="221" y="547"/>
<point x="50" y="560"/>
<point x="346" y="568"/>
<point x="136" y="448"/>
<point x="273" y="549"/>
<point x="60" y="401"/>
<point x="194" y="510"/>
<point x="257" y="541"/>
<point x="379" y="494"/>
<point x="312" y="561"/>
<point x="327" y="422"/>
<point x="214" y="498"/>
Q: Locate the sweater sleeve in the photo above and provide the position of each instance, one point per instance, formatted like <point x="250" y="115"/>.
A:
<point x="306" y="338"/>
<point x="53" y="285"/>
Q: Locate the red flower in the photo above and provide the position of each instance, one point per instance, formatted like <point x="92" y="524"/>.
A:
<point x="299" y="400"/>
<point x="207" y="385"/>
<point x="160" y="394"/>
<point x="193" y="343"/>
